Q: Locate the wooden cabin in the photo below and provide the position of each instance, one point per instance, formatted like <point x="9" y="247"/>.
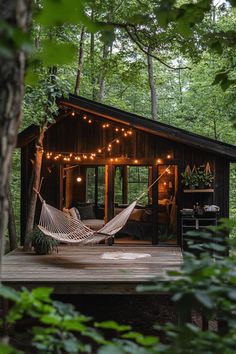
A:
<point x="99" y="158"/>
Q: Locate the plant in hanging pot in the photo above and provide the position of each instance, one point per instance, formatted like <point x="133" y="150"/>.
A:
<point x="190" y="179"/>
<point x="205" y="177"/>
<point x="41" y="243"/>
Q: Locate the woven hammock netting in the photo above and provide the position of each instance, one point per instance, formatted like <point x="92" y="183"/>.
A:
<point x="64" y="228"/>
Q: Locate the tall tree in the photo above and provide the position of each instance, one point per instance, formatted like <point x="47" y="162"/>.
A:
<point x="80" y="61"/>
<point x="151" y="81"/>
<point x="15" y="15"/>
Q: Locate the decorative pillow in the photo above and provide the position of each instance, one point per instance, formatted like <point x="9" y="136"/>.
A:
<point x="86" y="212"/>
<point x="74" y="212"/>
<point x="136" y="215"/>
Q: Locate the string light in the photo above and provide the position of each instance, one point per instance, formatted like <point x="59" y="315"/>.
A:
<point x="79" y="179"/>
<point x="158" y="160"/>
<point x="168" y="157"/>
<point x="117" y="129"/>
<point x="73" y="114"/>
<point x="117" y="141"/>
<point x="84" y="117"/>
<point x="135" y="161"/>
<point x="125" y="134"/>
<point x="99" y="151"/>
<point x="90" y="121"/>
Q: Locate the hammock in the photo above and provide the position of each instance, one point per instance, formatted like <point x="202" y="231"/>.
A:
<point x="64" y="228"/>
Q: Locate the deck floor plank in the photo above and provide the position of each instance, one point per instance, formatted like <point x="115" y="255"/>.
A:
<point x="76" y="269"/>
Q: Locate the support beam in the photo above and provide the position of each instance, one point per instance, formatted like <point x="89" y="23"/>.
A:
<point x="155" y="237"/>
<point x="109" y="192"/>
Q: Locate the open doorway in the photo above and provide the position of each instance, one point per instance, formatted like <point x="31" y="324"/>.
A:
<point x="167" y="204"/>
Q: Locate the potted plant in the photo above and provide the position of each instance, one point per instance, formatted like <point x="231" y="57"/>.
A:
<point x="42" y="243"/>
<point x="205" y="176"/>
<point x="190" y="178"/>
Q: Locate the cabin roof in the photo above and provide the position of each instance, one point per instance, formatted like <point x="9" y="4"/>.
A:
<point x="137" y="122"/>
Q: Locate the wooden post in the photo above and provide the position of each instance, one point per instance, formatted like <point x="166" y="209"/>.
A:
<point x="96" y="187"/>
<point x="109" y="192"/>
<point x="125" y="185"/>
<point x="149" y="183"/>
<point x="155" y="206"/>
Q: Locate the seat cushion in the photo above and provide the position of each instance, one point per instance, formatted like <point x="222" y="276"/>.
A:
<point x="94" y="224"/>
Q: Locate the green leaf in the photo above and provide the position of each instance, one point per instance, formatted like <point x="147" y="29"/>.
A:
<point x="204" y="299"/>
<point x="141" y="339"/>
<point x="8" y="349"/>
<point x="9" y="293"/>
<point x="112" y="325"/>
<point x="42" y="294"/>
<point x="57" y="53"/>
<point x="111" y="349"/>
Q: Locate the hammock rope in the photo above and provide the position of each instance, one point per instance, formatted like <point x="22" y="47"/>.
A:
<point x="64" y="228"/>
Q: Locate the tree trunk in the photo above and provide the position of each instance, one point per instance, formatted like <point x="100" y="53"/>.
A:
<point x="12" y="69"/>
<point x="101" y="93"/>
<point x="80" y="62"/>
<point x="92" y="61"/>
<point x="38" y="163"/>
<point x="151" y="82"/>
<point x="36" y="183"/>
<point x="11" y="222"/>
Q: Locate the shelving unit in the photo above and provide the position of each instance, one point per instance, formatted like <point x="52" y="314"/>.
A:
<point x="191" y="223"/>
<point x="199" y="190"/>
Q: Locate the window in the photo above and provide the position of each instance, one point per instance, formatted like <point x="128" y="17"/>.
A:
<point x="101" y="184"/>
<point x="118" y="185"/>
<point x="138" y="183"/>
<point x="90" y="184"/>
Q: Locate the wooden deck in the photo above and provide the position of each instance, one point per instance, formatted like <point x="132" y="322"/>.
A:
<point x="81" y="270"/>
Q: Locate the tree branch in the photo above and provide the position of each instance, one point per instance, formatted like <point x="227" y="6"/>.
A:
<point x="137" y="42"/>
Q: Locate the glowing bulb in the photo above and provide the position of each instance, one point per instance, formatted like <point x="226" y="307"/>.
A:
<point x="164" y="183"/>
<point x="91" y="157"/>
<point x="111" y="160"/>
<point x="125" y="134"/>
<point x="104" y="125"/>
<point x="122" y="129"/>
<point x="79" y="179"/>
<point x="117" y="141"/>
<point x="117" y="129"/>
<point x="73" y="114"/>
<point x="116" y="159"/>
<point x="99" y="151"/>
<point x="135" y="161"/>
<point x="107" y="125"/>
<point x="90" y="121"/>
<point x="158" y="160"/>
<point x="108" y="149"/>
<point x="70" y="155"/>
<point x="130" y="132"/>
<point x="84" y="117"/>
<point x="109" y="145"/>
<point x="85" y="157"/>
<point x="168" y="156"/>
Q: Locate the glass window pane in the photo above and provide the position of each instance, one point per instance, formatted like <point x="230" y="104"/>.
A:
<point x="138" y="183"/>
<point x="101" y="184"/>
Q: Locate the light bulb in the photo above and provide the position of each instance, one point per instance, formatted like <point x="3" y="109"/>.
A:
<point x="79" y="179"/>
<point x="117" y="141"/>
<point x="158" y="160"/>
<point x="90" y="121"/>
<point x="99" y="151"/>
<point x="135" y="161"/>
<point x="168" y="156"/>
<point x="73" y="114"/>
<point x="84" y="117"/>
